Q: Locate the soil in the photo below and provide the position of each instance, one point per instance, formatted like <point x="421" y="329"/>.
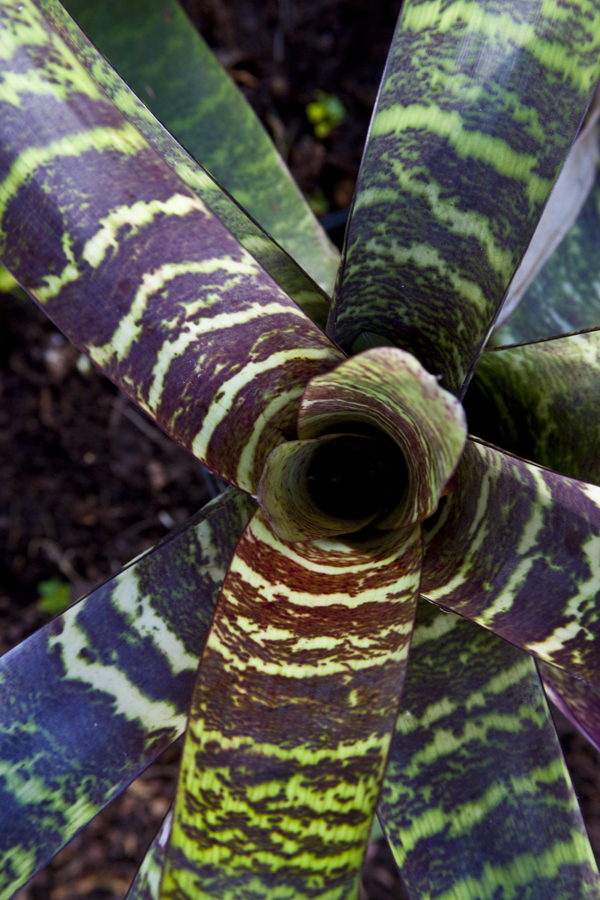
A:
<point x="87" y="482"/>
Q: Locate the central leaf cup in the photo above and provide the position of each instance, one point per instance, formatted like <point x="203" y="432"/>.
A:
<point x="378" y="441"/>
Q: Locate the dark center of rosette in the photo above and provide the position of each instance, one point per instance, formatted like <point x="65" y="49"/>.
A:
<point x="353" y="476"/>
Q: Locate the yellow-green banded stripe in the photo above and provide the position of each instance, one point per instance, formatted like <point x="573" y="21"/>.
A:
<point x="136" y="269"/>
<point x="578" y="700"/>
<point x="477" y="803"/>
<point x="293" y="710"/>
<point x="91" y="699"/>
<point x="565" y="296"/>
<point x="516" y="548"/>
<point x="541" y="401"/>
<point x="282" y="268"/>
<point x="479" y="104"/>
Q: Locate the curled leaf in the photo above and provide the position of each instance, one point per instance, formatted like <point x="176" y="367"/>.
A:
<point x="388" y="392"/>
<point x="287" y="501"/>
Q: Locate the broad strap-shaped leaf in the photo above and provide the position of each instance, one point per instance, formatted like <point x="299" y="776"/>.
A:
<point x="565" y="296"/>
<point x="477" y="803"/>
<point x="293" y="711"/>
<point x="134" y="267"/>
<point x="567" y="198"/>
<point x="541" y="401"/>
<point x="92" y="698"/>
<point x="158" y="52"/>
<point x="478" y="107"/>
<point x="578" y="700"/>
<point x="146" y="884"/>
<point x="516" y="548"/>
<point x="257" y="242"/>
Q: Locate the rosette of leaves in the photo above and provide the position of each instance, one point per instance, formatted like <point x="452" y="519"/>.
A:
<point x="278" y="622"/>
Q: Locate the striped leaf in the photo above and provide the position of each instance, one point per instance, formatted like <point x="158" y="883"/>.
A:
<point x="169" y="305"/>
<point x="478" y="107"/>
<point x="162" y="57"/>
<point x="516" y="549"/>
<point x="92" y="698"/>
<point x="146" y="884"/>
<point x="293" y="711"/>
<point x="257" y="242"/>
<point x="578" y="700"/>
<point x="542" y="402"/>
<point x="565" y="203"/>
<point x="400" y="439"/>
<point x="565" y="296"/>
<point x="477" y="803"/>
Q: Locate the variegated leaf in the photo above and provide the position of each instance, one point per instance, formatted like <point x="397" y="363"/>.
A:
<point x="516" y="548"/>
<point x="477" y="803"/>
<point x="578" y="700"/>
<point x="568" y="197"/>
<point x="257" y="242"/>
<point x="92" y="698"/>
<point x="565" y="296"/>
<point x="169" y="305"/>
<point x="165" y="61"/>
<point x="541" y="401"/>
<point x="146" y="884"/>
<point x="478" y="107"/>
<point x="292" y="715"/>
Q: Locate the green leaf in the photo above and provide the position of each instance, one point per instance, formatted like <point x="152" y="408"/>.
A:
<point x="154" y="47"/>
<point x="565" y="296"/>
<point x="325" y="113"/>
<point x="477" y="802"/>
<point x="137" y="271"/>
<point x="91" y="699"/>
<point x="292" y="715"/>
<point x="516" y="549"/>
<point x="8" y="285"/>
<point x="578" y="700"/>
<point x="478" y="107"/>
<point x="542" y="402"/>
<point x="54" y="596"/>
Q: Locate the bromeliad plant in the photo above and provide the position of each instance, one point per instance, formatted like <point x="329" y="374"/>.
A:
<point x="288" y="625"/>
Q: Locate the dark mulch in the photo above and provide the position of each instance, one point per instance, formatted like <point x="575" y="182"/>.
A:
<point x="87" y="483"/>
